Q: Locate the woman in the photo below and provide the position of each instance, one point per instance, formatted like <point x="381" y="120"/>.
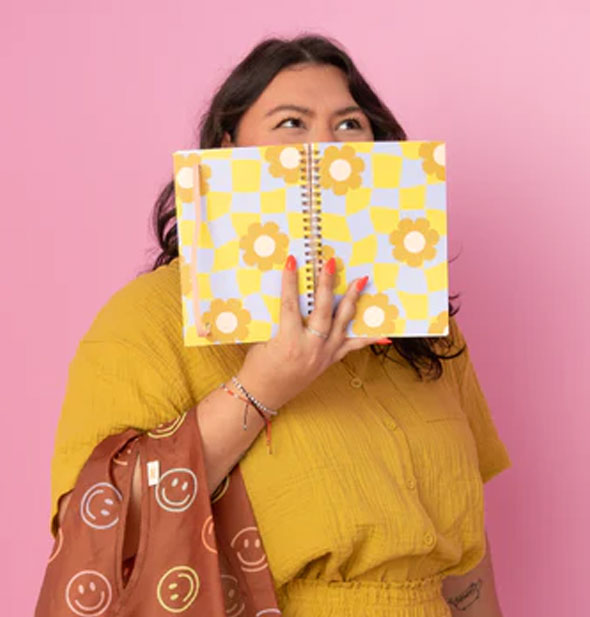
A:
<point x="374" y="493"/>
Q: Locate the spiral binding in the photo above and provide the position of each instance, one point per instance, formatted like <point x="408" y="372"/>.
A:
<point x="311" y="201"/>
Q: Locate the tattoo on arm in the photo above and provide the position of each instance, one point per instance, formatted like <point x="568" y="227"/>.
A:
<point x="466" y="598"/>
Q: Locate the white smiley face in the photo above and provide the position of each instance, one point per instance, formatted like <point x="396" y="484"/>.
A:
<point x="88" y="593"/>
<point x="176" y="489"/>
<point x="232" y="598"/>
<point x="249" y="550"/>
<point x="99" y="507"/>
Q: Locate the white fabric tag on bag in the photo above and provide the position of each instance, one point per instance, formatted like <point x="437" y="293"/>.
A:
<point x="153" y="472"/>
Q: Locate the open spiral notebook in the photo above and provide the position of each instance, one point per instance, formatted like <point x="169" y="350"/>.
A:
<point x="379" y="208"/>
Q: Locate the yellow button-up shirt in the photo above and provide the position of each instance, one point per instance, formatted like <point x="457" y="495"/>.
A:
<point x="375" y="485"/>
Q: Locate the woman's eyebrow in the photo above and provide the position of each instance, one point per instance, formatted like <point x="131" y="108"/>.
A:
<point x="348" y="110"/>
<point x="306" y="111"/>
<point x="302" y="110"/>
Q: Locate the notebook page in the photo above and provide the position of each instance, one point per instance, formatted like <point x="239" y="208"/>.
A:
<point x="251" y="219"/>
<point x="383" y="214"/>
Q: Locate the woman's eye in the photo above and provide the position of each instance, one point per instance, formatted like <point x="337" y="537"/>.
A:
<point x="290" y="123"/>
<point x="352" y="123"/>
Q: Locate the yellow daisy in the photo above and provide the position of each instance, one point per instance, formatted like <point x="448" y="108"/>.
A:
<point x="340" y="169"/>
<point x="228" y="320"/>
<point x="264" y="246"/>
<point x="414" y="241"/>
<point x="439" y="324"/>
<point x="285" y="162"/>
<point x="374" y="316"/>
<point x="327" y="253"/>
<point x="185" y="177"/>
<point x="433" y="164"/>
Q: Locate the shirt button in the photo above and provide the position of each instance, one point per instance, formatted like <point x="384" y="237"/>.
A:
<point x="355" y="382"/>
<point x="411" y="484"/>
<point x="429" y="539"/>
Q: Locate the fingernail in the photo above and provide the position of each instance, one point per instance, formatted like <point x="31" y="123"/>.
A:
<point x="360" y="284"/>
<point x="290" y="263"/>
<point x="330" y="266"/>
<point x="383" y="341"/>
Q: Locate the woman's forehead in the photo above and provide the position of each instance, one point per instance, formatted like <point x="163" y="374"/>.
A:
<point x="308" y="87"/>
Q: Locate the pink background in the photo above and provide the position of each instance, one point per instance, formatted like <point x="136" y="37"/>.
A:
<point x="95" y="98"/>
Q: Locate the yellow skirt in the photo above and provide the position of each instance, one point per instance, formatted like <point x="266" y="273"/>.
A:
<point x="317" y="598"/>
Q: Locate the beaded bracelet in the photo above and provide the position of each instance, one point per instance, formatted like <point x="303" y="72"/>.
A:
<point x="262" y="409"/>
<point x="255" y="402"/>
<point x="245" y="421"/>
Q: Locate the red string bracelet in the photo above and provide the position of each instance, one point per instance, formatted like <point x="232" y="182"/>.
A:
<point x="240" y="398"/>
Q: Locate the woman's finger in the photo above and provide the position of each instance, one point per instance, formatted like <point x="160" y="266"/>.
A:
<point x="290" y="320"/>
<point x="347" y="307"/>
<point x="352" y="344"/>
<point x="321" y="316"/>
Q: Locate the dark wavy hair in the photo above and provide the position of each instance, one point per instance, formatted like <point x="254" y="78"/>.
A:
<point x="235" y="96"/>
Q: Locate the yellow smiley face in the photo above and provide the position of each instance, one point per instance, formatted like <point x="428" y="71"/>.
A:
<point x="221" y="490"/>
<point x="167" y="429"/>
<point x="208" y="535"/>
<point x="178" y="589"/>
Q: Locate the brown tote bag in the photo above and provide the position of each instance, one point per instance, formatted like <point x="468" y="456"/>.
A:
<point x="197" y="555"/>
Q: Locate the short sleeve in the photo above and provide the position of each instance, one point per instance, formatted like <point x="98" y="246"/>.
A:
<point x="131" y="370"/>
<point x="492" y="453"/>
<point x="111" y="387"/>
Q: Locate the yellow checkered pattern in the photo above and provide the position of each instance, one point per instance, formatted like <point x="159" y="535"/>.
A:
<point x="246" y="189"/>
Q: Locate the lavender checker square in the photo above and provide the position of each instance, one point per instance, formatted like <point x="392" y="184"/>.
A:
<point x="224" y="284"/>
<point x="412" y="173"/>
<point x="220" y="180"/>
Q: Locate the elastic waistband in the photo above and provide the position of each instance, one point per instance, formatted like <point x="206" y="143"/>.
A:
<point x="357" y="594"/>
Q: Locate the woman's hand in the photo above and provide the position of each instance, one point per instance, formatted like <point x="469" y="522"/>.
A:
<point x="279" y="369"/>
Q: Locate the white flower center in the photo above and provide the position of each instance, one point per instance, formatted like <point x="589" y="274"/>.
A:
<point x="439" y="154"/>
<point x="374" y="316"/>
<point x="289" y="158"/>
<point x="340" y="170"/>
<point x="226" y="322"/>
<point x="264" y="246"/>
<point x="185" y="178"/>
<point x="414" y="242"/>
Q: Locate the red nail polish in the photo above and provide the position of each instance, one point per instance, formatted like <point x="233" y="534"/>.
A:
<point x="360" y="284"/>
<point x="383" y="341"/>
<point x="330" y="266"/>
<point x="290" y="263"/>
